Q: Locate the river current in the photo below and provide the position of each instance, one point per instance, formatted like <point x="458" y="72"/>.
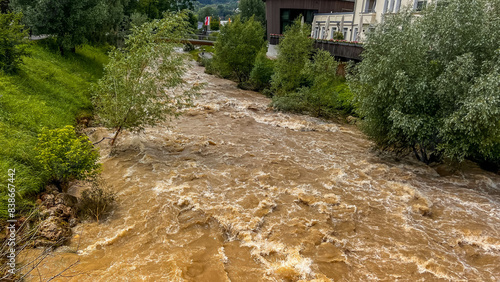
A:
<point x="233" y="191"/>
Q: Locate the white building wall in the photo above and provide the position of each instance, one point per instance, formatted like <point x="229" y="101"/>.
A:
<point x="356" y="25"/>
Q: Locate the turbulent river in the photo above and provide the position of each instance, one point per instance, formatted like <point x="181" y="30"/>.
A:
<point x="233" y="191"/>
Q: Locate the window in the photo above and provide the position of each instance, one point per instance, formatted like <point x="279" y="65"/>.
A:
<point x="420" y="5"/>
<point x="289" y="15"/>
<point x="323" y="33"/>
<point x="345" y="33"/>
<point x="391" y="7"/>
<point x="370" y="6"/>
<point x="332" y="32"/>
<point x="398" y="6"/>
<point x="355" y="35"/>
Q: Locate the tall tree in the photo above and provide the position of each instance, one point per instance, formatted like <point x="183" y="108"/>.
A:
<point x="237" y="47"/>
<point x="14" y="41"/>
<point x="432" y="84"/>
<point x="255" y="8"/>
<point x="294" y="51"/>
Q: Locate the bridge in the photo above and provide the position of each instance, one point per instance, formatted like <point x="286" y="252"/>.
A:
<point x="196" y="39"/>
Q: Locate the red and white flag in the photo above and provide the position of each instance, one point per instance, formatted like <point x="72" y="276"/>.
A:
<point x="207" y="21"/>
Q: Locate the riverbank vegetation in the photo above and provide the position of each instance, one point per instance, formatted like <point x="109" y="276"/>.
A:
<point x="431" y="84"/>
<point x="48" y="91"/>
<point x="299" y="80"/>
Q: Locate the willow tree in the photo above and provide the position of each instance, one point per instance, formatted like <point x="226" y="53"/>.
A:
<point x="134" y="91"/>
<point x="431" y="84"/>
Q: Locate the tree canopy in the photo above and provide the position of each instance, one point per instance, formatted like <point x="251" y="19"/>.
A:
<point x="237" y="47"/>
<point x="432" y="83"/>
<point x="255" y="8"/>
<point x="72" y="22"/>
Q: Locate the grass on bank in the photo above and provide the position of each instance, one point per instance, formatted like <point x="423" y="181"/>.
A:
<point x="48" y="91"/>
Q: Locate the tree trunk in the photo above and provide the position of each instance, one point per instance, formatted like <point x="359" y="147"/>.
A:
<point x="116" y="135"/>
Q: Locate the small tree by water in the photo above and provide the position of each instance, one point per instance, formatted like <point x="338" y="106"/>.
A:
<point x="133" y="92"/>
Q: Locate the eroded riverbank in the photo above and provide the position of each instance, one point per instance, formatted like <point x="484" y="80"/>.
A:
<point x="233" y="191"/>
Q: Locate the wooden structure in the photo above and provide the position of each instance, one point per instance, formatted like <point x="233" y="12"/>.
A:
<point x="341" y="51"/>
<point x="281" y="13"/>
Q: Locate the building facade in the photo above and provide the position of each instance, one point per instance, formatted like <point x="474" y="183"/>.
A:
<point x="281" y="13"/>
<point x="356" y="24"/>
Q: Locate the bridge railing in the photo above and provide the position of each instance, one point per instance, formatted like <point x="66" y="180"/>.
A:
<point x="202" y="37"/>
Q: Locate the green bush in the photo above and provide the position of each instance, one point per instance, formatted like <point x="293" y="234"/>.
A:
<point x="237" y="47"/>
<point x="65" y="156"/>
<point x="215" y="23"/>
<point x="431" y="84"/>
<point x="324" y="94"/>
<point x="338" y="35"/>
<point x="262" y="71"/>
<point x="14" y="41"/>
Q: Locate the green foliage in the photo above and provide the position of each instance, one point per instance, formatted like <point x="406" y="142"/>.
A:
<point x="207" y="11"/>
<point x="431" y="83"/>
<point x="65" y="156"/>
<point x="294" y="51"/>
<point x="154" y="9"/>
<point x="47" y="91"/>
<point x="138" y="19"/>
<point x="132" y="93"/>
<point x="237" y="47"/>
<point x="14" y="42"/>
<point x="215" y="23"/>
<point x="322" y="91"/>
<point x="96" y="202"/>
<point x="262" y="71"/>
<point x="255" y="8"/>
<point x="72" y="22"/>
<point x="338" y="35"/>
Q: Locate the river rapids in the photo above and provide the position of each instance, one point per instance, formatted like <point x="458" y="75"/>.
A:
<point x="233" y="191"/>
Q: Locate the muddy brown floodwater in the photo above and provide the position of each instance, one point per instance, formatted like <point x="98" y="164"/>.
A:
<point x="233" y="191"/>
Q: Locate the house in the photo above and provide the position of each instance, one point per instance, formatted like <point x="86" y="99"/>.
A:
<point x="281" y="13"/>
<point x="356" y="24"/>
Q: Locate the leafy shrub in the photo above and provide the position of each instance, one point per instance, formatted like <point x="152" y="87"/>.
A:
<point x="338" y="35"/>
<point x="97" y="201"/>
<point x="262" y="71"/>
<point x="323" y="94"/>
<point x="237" y="47"/>
<point x="14" y="42"/>
<point x="215" y="23"/>
<point x="64" y="156"/>
<point x="188" y="47"/>
<point x="431" y="84"/>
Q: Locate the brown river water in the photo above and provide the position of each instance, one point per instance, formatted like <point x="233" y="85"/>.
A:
<point x="233" y="191"/>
